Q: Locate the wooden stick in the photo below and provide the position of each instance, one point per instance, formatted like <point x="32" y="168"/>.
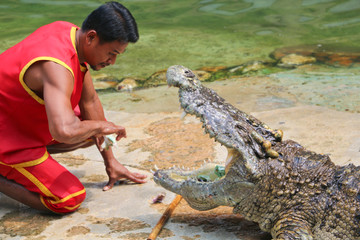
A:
<point x="166" y="215"/>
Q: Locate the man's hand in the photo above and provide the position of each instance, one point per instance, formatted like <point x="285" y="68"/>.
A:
<point x="117" y="171"/>
<point x="111" y="128"/>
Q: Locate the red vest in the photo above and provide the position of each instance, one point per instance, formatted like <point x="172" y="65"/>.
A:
<point x="24" y="128"/>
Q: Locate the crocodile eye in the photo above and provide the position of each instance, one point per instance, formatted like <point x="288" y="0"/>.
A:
<point x="189" y="74"/>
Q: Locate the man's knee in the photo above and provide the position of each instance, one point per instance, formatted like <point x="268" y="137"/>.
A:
<point x="67" y="204"/>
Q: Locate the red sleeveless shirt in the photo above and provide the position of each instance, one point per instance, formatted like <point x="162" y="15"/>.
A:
<point x="24" y="128"/>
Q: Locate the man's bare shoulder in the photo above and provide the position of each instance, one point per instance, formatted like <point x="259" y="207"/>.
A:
<point x="42" y="72"/>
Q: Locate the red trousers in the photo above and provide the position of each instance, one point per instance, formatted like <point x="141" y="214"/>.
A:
<point x="59" y="190"/>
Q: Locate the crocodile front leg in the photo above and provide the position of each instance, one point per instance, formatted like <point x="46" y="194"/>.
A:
<point x="292" y="227"/>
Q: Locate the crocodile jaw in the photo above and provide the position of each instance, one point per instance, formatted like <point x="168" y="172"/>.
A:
<point x="204" y="195"/>
<point x="199" y="195"/>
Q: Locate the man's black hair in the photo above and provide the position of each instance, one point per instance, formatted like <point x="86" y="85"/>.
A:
<point x="112" y="21"/>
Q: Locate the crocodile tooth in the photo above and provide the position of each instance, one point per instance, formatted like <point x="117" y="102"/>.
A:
<point x="266" y="145"/>
<point x="272" y="153"/>
<point x="183" y="115"/>
<point x="279" y="135"/>
<point x="156" y="167"/>
<point x="228" y="159"/>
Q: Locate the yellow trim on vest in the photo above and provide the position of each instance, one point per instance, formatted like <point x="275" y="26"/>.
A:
<point x="83" y="68"/>
<point x="73" y="40"/>
<point x="28" y="163"/>
<point x="22" y="73"/>
<point x="73" y="37"/>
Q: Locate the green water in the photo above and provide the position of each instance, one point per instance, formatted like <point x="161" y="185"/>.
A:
<point x="198" y="33"/>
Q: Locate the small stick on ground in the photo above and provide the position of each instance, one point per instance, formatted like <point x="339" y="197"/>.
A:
<point x="153" y="235"/>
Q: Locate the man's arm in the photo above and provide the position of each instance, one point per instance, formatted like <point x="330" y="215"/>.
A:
<point x="64" y="125"/>
<point x="90" y="105"/>
<point x="91" y="109"/>
<point x="55" y="83"/>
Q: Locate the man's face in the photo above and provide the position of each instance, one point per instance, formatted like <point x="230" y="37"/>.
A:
<point x="100" y="55"/>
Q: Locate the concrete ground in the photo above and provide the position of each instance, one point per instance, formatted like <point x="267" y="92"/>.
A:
<point x="156" y="135"/>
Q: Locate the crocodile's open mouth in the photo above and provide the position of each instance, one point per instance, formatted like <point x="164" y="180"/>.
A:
<point x="245" y="138"/>
<point x="204" y="188"/>
<point x="217" y="118"/>
<point x="208" y="172"/>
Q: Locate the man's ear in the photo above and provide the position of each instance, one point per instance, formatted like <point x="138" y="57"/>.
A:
<point x="90" y="36"/>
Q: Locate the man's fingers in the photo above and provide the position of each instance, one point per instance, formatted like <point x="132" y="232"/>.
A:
<point x="135" y="177"/>
<point x="98" y="142"/>
<point x="138" y="178"/>
<point x="121" y="134"/>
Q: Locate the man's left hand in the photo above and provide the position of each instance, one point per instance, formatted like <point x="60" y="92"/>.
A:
<point x="117" y="171"/>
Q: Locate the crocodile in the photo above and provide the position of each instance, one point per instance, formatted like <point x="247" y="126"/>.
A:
<point x="291" y="192"/>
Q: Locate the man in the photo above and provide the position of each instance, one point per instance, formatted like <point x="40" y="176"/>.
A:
<point x="44" y="81"/>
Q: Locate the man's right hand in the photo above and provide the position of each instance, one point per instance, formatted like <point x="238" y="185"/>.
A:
<point x="111" y="128"/>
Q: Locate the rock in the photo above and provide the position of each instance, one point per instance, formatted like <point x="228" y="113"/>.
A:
<point x="127" y="84"/>
<point x="253" y="67"/>
<point x="303" y="50"/>
<point x="156" y="79"/>
<point x="293" y="60"/>
<point x="103" y="81"/>
<point x="202" y="75"/>
<point x="327" y="54"/>
<point x="102" y="85"/>
<point x="159" y="78"/>
<point x="338" y="59"/>
<point x="212" y="69"/>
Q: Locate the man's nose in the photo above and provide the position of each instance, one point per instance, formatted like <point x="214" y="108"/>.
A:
<point x="111" y="60"/>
